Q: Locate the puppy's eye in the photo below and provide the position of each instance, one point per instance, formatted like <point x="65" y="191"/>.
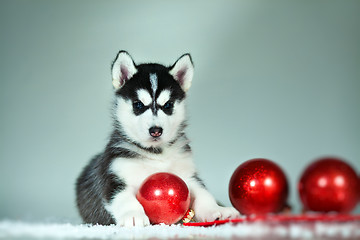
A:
<point x="138" y="105"/>
<point x="168" y="105"/>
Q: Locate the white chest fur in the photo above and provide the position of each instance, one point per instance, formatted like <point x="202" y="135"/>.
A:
<point x="133" y="171"/>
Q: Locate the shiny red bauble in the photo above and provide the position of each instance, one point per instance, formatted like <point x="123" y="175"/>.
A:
<point x="258" y="186"/>
<point x="165" y="198"/>
<point x="329" y="184"/>
<point x="359" y="187"/>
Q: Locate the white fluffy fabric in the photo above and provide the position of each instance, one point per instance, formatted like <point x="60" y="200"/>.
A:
<point x="257" y="230"/>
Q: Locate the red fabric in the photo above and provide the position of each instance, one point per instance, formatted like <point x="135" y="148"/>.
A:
<point x="282" y="218"/>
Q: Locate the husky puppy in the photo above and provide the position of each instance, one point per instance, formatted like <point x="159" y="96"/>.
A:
<point x="148" y="137"/>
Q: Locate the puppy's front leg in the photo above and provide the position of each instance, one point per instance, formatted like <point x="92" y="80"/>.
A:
<point x="126" y="209"/>
<point x="205" y="206"/>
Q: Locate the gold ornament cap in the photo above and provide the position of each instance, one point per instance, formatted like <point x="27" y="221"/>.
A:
<point x="188" y="216"/>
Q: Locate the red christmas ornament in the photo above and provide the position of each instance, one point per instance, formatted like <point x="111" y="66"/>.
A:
<point x="165" y="198"/>
<point x="329" y="184"/>
<point x="359" y="187"/>
<point x="258" y="186"/>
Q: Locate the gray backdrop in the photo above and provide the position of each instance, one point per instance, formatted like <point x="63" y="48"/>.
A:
<point x="274" y="79"/>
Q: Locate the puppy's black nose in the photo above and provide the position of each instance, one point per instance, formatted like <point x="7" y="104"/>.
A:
<point x="155" y="131"/>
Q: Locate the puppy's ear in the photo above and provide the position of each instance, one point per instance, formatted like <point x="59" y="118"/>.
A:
<point x="183" y="71"/>
<point x="123" y="68"/>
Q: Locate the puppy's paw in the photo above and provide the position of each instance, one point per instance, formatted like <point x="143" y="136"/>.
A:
<point x="216" y="213"/>
<point x="132" y="219"/>
<point x="228" y="213"/>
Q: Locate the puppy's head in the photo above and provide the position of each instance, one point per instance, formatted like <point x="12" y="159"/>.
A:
<point x="149" y="105"/>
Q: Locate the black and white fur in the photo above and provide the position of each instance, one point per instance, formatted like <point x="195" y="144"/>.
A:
<point x="148" y="137"/>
